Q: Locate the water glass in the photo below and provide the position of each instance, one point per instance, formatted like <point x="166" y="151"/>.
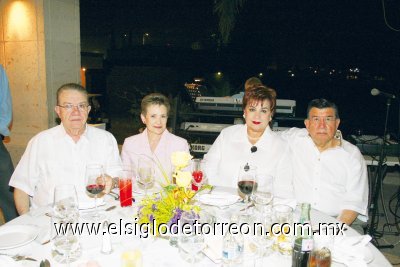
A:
<point x="283" y="215"/>
<point x="190" y="244"/>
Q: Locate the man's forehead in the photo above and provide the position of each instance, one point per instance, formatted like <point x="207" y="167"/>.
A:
<point x="322" y="112"/>
<point x="72" y="95"/>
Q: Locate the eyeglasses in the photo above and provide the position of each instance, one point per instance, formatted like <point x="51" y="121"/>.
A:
<point x="329" y="119"/>
<point x="70" y="107"/>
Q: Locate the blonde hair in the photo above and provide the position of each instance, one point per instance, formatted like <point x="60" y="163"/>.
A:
<point x="154" y="99"/>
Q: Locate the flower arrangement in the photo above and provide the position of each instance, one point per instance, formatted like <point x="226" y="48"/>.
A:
<point x="176" y="197"/>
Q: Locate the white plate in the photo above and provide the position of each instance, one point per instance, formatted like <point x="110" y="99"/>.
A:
<point x="367" y="253"/>
<point x="91" y="204"/>
<point x="12" y="236"/>
<point x="220" y="199"/>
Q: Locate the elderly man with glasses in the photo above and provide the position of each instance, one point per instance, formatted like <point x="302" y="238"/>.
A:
<point x="59" y="155"/>
<point x="329" y="173"/>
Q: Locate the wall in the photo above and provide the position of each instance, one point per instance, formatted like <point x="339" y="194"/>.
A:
<point x="40" y="50"/>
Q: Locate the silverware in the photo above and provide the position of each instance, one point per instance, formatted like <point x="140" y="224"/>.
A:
<point x="114" y="195"/>
<point x="110" y="208"/>
<point x="19" y="257"/>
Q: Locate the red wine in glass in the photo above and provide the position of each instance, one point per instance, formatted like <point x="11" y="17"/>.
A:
<point x="95" y="188"/>
<point x="247" y="187"/>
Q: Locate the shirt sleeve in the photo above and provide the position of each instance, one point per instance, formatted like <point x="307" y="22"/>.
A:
<point x="283" y="184"/>
<point x="113" y="152"/>
<point x="27" y="173"/>
<point x="356" y="198"/>
<point x="212" y="160"/>
<point x="5" y="103"/>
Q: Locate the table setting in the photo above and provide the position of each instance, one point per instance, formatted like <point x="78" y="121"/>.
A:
<point x="119" y="231"/>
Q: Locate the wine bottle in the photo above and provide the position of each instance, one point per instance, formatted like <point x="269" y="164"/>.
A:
<point x="303" y="243"/>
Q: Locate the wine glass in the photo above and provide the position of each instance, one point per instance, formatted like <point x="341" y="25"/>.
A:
<point x="198" y="174"/>
<point x="65" y="212"/>
<point x="95" y="184"/>
<point x="247" y="181"/>
<point x="65" y="202"/>
<point x="262" y="196"/>
<point x="145" y="174"/>
<point x="192" y="243"/>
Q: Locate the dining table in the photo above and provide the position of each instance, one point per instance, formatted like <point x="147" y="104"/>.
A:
<point x="154" y="251"/>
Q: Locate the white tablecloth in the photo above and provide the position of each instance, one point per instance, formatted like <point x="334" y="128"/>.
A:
<point x="155" y="251"/>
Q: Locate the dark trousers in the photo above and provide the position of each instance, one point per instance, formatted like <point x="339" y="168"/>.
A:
<point x="6" y="193"/>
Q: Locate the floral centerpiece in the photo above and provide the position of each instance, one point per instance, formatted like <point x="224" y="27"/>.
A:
<point x="167" y="207"/>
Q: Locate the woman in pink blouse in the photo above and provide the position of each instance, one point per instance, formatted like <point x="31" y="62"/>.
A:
<point x="155" y="142"/>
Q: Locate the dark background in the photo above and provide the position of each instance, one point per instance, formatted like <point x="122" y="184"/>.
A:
<point x="338" y="50"/>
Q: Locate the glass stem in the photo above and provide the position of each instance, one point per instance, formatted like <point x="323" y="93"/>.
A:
<point x="96" y="212"/>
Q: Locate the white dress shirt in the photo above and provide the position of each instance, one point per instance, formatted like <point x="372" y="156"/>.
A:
<point x="138" y="145"/>
<point x="332" y="180"/>
<point x="52" y="158"/>
<point x="232" y="149"/>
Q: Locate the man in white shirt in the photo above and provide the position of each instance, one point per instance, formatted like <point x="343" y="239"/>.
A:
<point x="59" y="155"/>
<point x="330" y="173"/>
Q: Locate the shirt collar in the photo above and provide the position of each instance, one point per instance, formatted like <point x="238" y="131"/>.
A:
<point x="63" y="134"/>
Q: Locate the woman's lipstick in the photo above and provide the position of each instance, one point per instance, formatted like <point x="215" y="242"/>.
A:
<point x="256" y="122"/>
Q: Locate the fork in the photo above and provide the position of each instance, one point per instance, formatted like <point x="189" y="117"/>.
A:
<point x="19" y="257"/>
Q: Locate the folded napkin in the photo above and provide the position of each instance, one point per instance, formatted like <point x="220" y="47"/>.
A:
<point x="218" y="199"/>
<point x="213" y="249"/>
<point x="352" y="250"/>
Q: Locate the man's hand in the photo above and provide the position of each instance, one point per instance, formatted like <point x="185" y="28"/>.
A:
<point x="21" y="201"/>
<point x="348" y="216"/>
<point x="109" y="183"/>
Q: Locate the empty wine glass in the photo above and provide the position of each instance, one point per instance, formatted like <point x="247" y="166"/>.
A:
<point x="262" y="196"/>
<point x="190" y="243"/>
<point x="95" y="184"/>
<point x="145" y="174"/>
<point x="65" y="202"/>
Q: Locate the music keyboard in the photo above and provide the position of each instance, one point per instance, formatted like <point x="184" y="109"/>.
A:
<point x="372" y="145"/>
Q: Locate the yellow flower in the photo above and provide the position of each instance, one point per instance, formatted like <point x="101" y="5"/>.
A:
<point x="183" y="179"/>
<point x="180" y="159"/>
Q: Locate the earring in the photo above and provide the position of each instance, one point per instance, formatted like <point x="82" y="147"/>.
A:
<point x="244" y="117"/>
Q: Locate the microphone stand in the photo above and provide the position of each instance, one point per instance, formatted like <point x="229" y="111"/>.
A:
<point x="379" y="176"/>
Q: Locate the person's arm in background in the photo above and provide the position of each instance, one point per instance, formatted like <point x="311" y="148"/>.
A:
<point x="212" y="160"/>
<point x="21" y="201"/>
<point x="5" y="104"/>
<point x="356" y="197"/>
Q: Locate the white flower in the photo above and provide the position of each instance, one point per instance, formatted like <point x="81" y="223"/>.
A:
<point x="180" y="159"/>
<point x="183" y="179"/>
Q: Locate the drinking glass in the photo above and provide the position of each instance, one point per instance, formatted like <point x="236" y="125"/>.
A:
<point x="262" y="196"/>
<point x="65" y="245"/>
<point x="125" y="175"/>
<point x="192" y="243"/>
<point x="198" y="174"/>
<point x="283" y="216"/>
<point x="247" y="181"/>
<point x="65" y="202"/>
<point x="145" y="174"/>
<point x="95" y="184"/>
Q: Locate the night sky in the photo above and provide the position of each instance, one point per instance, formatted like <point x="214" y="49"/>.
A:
<point x="290" y="34"/>
<point x="294" y="32"/>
